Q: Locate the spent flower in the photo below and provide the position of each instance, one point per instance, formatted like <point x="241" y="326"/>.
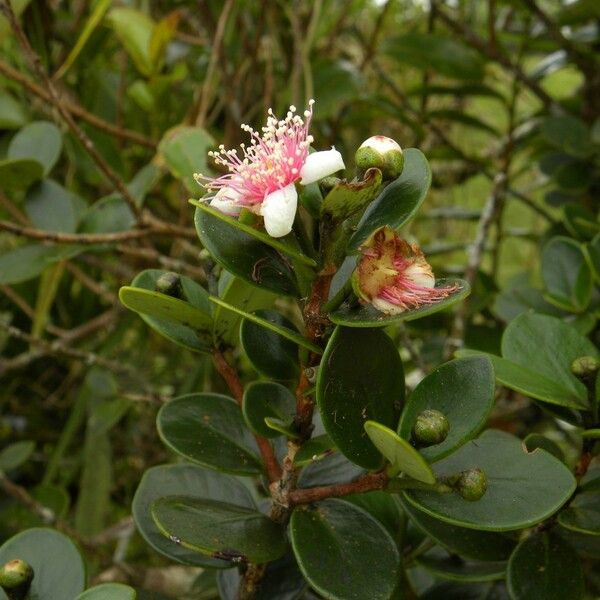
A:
<point x="394" y="276"/>
<point x="263" y="179"/>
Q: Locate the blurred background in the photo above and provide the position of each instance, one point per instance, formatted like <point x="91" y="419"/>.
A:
<point x="108" y="107"/>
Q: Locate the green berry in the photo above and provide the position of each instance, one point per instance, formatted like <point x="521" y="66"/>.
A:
<point x="472" y="484"/>
<point x="431" y="427"/>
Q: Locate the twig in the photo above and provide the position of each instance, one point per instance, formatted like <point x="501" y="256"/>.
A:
<point x="56" y="100"/>
<point x="367" y="483"/>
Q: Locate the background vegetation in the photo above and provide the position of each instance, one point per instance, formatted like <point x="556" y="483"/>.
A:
<point x="107" y="108"/>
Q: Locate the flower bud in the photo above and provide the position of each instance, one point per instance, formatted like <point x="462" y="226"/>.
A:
<point x="169" y="284"/>
<point x="585" y="365"/>
<point x="431" y="427"/>
<point x="15" y="579"/>
<point x="472" y="484"/>
<point x="382" y="153"/>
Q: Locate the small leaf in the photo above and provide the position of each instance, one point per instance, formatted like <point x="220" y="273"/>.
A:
<point x="271" y="354"/>
<point x="343" y="551"/>
<point x="12" y="114"/>
<point x="26" y="262"/>
<point x="522" y="489"/>
<point x="108" y="591"/>
<point x="583" y="514"/>
<point x="264" y="399"/>
<point x="14" y="455"/>
<point x="40" y="141"/>
<point x="183" y="480"/>
<point x="349" y="198"/>
<point x="314" y="450"/>
<point x="401" y="455"/>
<point x="331" y="469"/>
<point x="360" y="379"/>
<point x="134" y="29"/>
<point x="463" y="391"/>
<point x="220" y="529"/>
<point x="51" y="207"/>
<point x="209" y="429"/>
<point x="19" y="174"/>
<point x="445" y="566"/>
<point x="567" y="133"/>
<point x="544" y="567"/>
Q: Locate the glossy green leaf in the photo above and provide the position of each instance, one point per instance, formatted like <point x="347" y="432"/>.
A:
<point x="14" y="455"/>
<point x="444" y="566"/>
<point x="246" y="257"/>
<point x="314" y="450"/>
<point x="27" y="262"/>
<point x="187" y="321"/>
<point x="220" y="529"/>
<point x="271" y="354"/>
<point x="183" y="480"/>
<point x="56" y="562"/>
<point x="400" y="454"/>
<point x="545" y="567"/>
<point x="583" y="514"/>
<point x="51" y="207"/>
<point x="399" y="201"/>
<point x="535" y="440"/>
<point x="134" y="30"/>
<point x="209" y="430"/>
<point x="19" y="174"/>
<point x="522" y="488"/>
<point x="566" y="274"/>
<point x="343" y="551"/>
<point x="360" y="379"/>
<point x="471" y="543"/>
<point x="40" y="141"/>
<point x="368" y="316"/>
<point x="271" y="325"/>
<point x="109" y="591"/>
<point x="463" y="390"/>
<point x="264" y="399"/>
<point x="383" y="507"/>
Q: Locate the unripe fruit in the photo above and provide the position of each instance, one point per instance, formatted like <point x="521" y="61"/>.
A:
<point x="15" y="579"/>
<point x="585" y="365"/>
<point x="431" y="427"/>
<point x="472" y="484"/>
<point x="382" y="153"/>
<point x="169" y="284"/>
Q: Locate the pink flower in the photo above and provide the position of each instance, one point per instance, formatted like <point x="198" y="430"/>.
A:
<point x="394" y="276"/>
<point x="263" y="179"/>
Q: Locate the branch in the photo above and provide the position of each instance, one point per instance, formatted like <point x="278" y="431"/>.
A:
<point x="367" y="483"/>
<point x="56" y="100"/>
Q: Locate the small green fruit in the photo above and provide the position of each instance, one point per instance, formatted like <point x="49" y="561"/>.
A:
<point x="15" y="579"/>
<point x="585" y="365"/>
<point x="431" y="427"/>
<point x="472" y="484"/>
<point x="170" y="285"/>
<point x="382" y="153"/>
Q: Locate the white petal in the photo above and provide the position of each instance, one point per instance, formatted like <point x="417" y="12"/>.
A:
<point x="321" y="164"/>
<point x="387" y="307"/>
<point x="279" y="210"/>
<point x="381" y="144"/>
<point x="420" y="277"/>
<point x="225" y="200"/>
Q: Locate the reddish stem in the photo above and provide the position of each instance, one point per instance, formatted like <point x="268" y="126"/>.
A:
<point x="368" y="483"/>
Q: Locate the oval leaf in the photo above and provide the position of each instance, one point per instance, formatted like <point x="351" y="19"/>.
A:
<point x="109" y="591"/>
<point x="264" y="399"/>
<point x="40" y="141"/>
<point x="583" y="514"/>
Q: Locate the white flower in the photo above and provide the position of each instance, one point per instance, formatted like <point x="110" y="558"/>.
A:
<point x="321" y="164"/>
<point x="279" y="210"/>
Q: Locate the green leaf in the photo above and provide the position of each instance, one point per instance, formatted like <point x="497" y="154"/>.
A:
<point x="593" y="249"/>
<point x="566" y="274"/>
<point x="27" y="262"/>
<point x="40" y="141"/>
<point x="343" y="551"/>
<point x="401" y="455"/>
<point x="14" y="455"/>
<point x="332" y="468"/>
<point x="580" y="221"/>
<point x="464" y="119"/>
<point x="399" y="201"/>
<point x="19" y="174"/>
<point x="383" y="507"/>
<point x="453" y="590"/>
<point x="285" y="245"/>
<point x="246" y="257"/>
<point x="108" y="215"/>
<point x="183" y="480"/>
<point x="184" y="150"/>
<point x="187" y="321"/>
<point x="220" y="529"/>
<point x="134" y="30"/>
<point x="583" y="514"/>
<point x="368" y="316"/>
<point x="477" y="545"/>
<point x="51" y="207"/>
<point x="56" y="562"/>
<point x="348" y="198"/>
<point x="209" y="429"/>
<point x="271" y="325"/>
<point x="108" y="591"/>
<point x="567" y="133"/>
<point x="441" y="53"/>
<point x="445" y="566"/>
<point x="314" y="450"/>
<point x="12" y="114"/>
<point x="271" y="354"/>
<point x="544" y="567"/>
<point x="360" y="379"/>
<point x="264" y="399"/>
<point x="523" y="489"/>
<point x="463" y="390"/>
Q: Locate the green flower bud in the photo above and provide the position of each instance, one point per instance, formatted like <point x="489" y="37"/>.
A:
<point x="15" y="579"/>
<point x="169" y="284"/>
<point x="472" y="484"/>
<point x="585" y="365"/>
<point x="382" y="153"/>
<point x="431" y="427"/>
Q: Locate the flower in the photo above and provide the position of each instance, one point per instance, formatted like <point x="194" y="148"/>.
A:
<point x="394" y="276"/>
<point x="381" y="152"/>
<point x="263" y="179"/>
